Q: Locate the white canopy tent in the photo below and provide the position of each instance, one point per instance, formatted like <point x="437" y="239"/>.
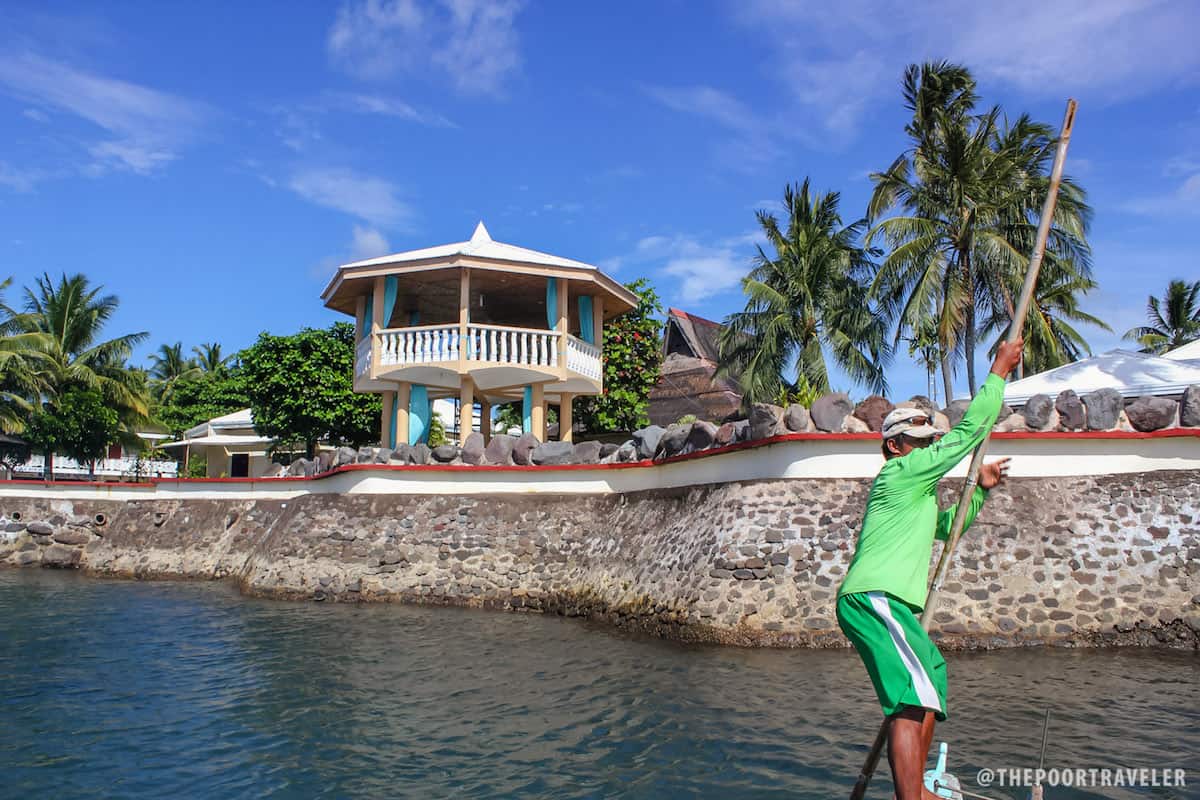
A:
<point x="1130" y="373"/>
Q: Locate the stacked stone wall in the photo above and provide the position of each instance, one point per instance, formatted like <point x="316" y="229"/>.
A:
<point x="1085" y="560"/>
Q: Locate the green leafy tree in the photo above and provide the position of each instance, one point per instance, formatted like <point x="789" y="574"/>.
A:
<point x="20" y="356"/>
<point x="195" y="401"/>
<point x="168" y="367"/>
<point x="1174" y="320"/>
<point x="632" y="354"/>
<point x="806" y="298"/>
<point x="301" y="388"/>
<point x="209" y="359"/>
<point x="79" y="424"/>
<point x="437" y="430"/>
<point x="967" y="194"/>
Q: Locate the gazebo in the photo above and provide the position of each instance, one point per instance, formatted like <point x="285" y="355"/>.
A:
<point x="481" y="321"/>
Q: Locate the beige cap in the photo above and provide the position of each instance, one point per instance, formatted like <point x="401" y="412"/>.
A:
<point x="911" y="422"/>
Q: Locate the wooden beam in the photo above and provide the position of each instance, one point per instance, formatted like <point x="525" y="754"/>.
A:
<point x="598" y="320"/>
<point x="464" y="318"/>
<point x="564" y="323"/>
<point x="485" y="420"/>
<point x="385" y="429"/>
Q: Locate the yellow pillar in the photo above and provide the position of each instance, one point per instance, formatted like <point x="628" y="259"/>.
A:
<point x="385" y="430"/>
<point x="538" y="412"/>
<point x="376" y="325"/>
<point x="464" y="316"/>
<point x="566" y="421"/>
<point x="466" y="408"/>
<point x="403" y="394"/>
<point x="598" y="320"/>
<point x="563" y="326"/>
<point x="485" y="420"/>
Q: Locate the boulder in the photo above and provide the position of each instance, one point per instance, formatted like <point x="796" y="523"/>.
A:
<point x="60" y="556"/>
<point x="796" y="418"/>
<point x="1013" y="422"/>
<point x="73" y="537"/>
<point x="1070" y="410"/>
<point x="701" y="437"/>
<point x="1103" y="408"/>
<point x="275" y="470"/>
<point x="852" y="424"/>
<point x="626" y="453"/>
<point x="919" y="401"/>
<point x="726" y="434"/>
<point x="326" y="460"/>
<point x="553" y="453"/>
<point x="499" y="450"/>
<point x="383" y="455"/>
<point x="298" y="468"/>
<point x="941" y="421"/>
<point x="445" y="453"/>
<point x="1151" y="413"/>
<point x="1037" y="412"/>
<point x="872" y="411"/>
<point x="829" y="411"/>
<point x="1189" y="407"/>
<point x="587" y="453"/>
<point x="673" y="440"/>
<point x="366" y="455"/>
<point x="956" y="411"/>
<point x="523" y="447"/>
<point x="419" y="453"/>
<point x="345" y="455"/>
<point x="1005" y="412"/>
<point x="400" y="453"/>
<point x="646" y="440"/>
<point x="765" y="420"/>
<point x="473" y="448"/>
<point x="40" y="528"/>
<point x="608" y="448"/>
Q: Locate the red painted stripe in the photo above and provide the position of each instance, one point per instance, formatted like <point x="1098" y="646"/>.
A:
<point x="1169" y="433"/>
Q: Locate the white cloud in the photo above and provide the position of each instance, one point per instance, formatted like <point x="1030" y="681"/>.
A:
<point x="20" y="180"/>
<point x="147" y="127"/>
<point x="35" y="115"/>
<point x="368" y="243"/>
<point x="393" y="107"/>
<point x="689" y="268"/>
<point x="839" y="65"/>
<point x="371" y="199"/>
<point x="752" y="143"/>
<point x="473" y="42"/>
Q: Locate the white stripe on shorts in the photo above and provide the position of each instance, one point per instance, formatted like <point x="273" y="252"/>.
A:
<point x="925" y="691"/>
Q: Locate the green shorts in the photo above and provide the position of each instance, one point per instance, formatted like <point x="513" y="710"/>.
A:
<point x="903" y="663"/>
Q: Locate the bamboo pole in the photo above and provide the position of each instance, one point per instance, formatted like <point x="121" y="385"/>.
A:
<point x="960" y="514"/>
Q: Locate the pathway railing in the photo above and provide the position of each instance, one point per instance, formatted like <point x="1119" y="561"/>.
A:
<point x="498" y="344"/>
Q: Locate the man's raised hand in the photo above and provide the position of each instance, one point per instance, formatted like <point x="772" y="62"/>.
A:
<point x="992" y="475"/>
<point x="1008" y="355"/>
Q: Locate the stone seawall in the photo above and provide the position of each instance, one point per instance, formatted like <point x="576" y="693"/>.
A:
<point x="1079" y="560"/>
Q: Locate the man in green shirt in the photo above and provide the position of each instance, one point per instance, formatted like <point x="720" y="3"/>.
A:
<point x="885" y="586"/>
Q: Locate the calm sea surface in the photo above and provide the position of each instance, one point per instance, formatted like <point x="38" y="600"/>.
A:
<point x="181" y="690"/>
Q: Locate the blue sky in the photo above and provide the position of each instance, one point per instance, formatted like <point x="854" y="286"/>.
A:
<point x="212" y="164"/>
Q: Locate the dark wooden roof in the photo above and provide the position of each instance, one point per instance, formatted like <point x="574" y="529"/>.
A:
<point x="687" y="382"/>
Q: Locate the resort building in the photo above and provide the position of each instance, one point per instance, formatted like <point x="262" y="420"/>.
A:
<point x="121" y="462"/>
<point x="481" y="322"/>
<point x="229" y="444"/>
<point x="687" y="382"/>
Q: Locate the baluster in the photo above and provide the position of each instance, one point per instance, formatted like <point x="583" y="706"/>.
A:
<point x="541" y="350"/>
<point x="503" y="346"/>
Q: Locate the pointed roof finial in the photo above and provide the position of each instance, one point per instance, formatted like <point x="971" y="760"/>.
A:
<point x="481" y="234"/>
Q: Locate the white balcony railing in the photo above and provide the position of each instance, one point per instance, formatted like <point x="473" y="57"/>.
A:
<point x="524" y="346"/>
<point x="584" y="358"/>
<point x="362" y="358"/>
<point x="124" y="467"/>
<point x="492" y="344"/>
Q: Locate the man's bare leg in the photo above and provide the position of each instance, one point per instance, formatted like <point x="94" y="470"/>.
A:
<point x="909" y="740"/>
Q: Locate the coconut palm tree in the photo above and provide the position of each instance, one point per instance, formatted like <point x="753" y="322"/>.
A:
<point x="1051" y="339"/>
<point x="168" y="367"/>
<point x="20" y="353"/>
<point x="209" y="359"/>
<point x="71" y="315"/>
<point x="967" y="191"/>
<point x="803" y="300"/>
<point x="1174" y="327"/>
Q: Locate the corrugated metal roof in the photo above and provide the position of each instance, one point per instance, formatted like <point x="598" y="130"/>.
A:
<point x="1187" y="352"/>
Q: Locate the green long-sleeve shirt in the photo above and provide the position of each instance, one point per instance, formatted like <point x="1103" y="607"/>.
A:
<point x="902" y="517"/>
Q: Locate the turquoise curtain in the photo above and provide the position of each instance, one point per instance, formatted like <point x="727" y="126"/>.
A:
<point x="391" y="286"/>
<point x="551" y="303"/>
<point x="369" y="317"/>
<point x="527" y="410"/>
<point x="419" y="414"/>
<point x="587" y="331"/>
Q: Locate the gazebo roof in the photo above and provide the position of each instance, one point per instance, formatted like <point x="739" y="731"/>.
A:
<point x="480" y="245"/>
<point x="1131" y="374"/>
<point x="480" y="252"/>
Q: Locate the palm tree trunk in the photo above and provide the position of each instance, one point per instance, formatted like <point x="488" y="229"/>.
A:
<point x="964" y="261"/>
<point x="946" y="379"/>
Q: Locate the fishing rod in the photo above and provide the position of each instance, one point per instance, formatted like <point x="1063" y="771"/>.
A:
<point x="960" y="514"/>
